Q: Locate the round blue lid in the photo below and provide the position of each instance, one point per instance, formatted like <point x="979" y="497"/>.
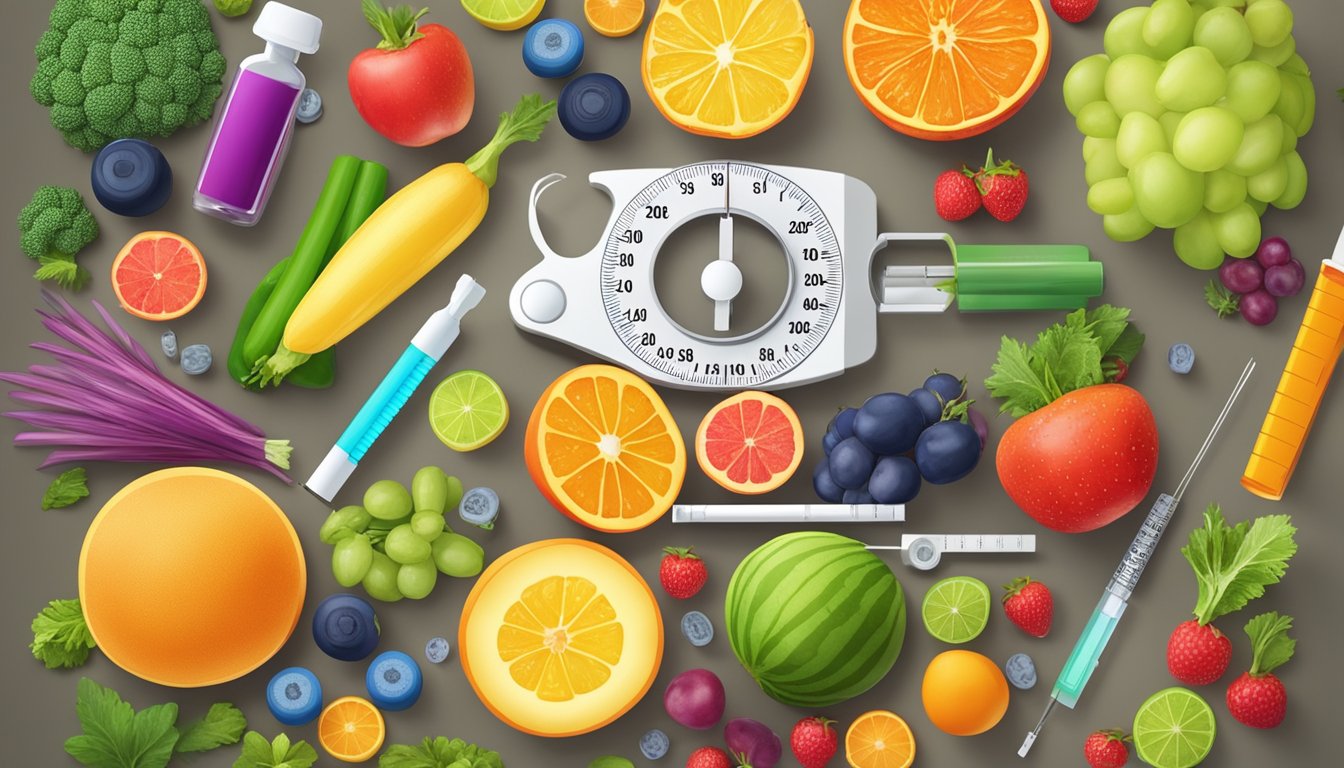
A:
<point x="553" y="48"/>
<point x="294" y="696"/>
<point x="345" y="627"/>
<point x="130" y="177"/>
<point x="594" y="107"/>
<point x="394" y="681"/>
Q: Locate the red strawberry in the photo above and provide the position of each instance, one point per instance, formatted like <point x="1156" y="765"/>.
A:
<point x="1198" y="654"/>
<point x="955" y="195"/>
<point x="1074" y="11"/>
<point x="814" y="742"/>
<point x="682" y="572"/>
<point x="1029" y="605"/>
<point x="1258" y="698"/>
<point x="1003" y="188"/>
<point x="708" y="757"/>
<point x="1106" y="749"/>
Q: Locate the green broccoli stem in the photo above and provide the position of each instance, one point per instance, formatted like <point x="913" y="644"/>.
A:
<point x="525" y="123"/>
<point x="274" y="368"/>
<point x="397" y="24"/>
<point x="61" y="269"/>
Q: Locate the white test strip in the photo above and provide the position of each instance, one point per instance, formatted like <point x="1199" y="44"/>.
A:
<point x="923" y="551"/>
<point x="788" y="513"/>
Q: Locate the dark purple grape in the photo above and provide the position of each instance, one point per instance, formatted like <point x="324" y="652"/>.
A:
<point x="895" y="480"/>
<point x="946" y="386"/>
<point x="1241" y="275"/>
<point x="843" y="423"/>
<point x="851" y="463"/>
<point x="947" y="452"/>
<point x="1273" y="252"/>
<point x="1259" y="307"/>
<point x="824" y="485"/>
<point x="829" y="441"/>
<point x="980" y="424"/>
<point x="929" y="405"/>
<point x="888" y="424"/>
<point x="857" y="496"/>
<point x="1285" y="279"/>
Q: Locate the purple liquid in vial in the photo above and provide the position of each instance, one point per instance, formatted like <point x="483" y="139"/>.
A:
<point x="253" y="131"/>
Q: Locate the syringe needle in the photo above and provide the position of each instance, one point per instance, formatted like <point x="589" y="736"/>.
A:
<point x="1031" y="737"/>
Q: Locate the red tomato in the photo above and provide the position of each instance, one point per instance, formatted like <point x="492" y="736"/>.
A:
<point x="1082" y="461"/>
<point x="418" y="94"/>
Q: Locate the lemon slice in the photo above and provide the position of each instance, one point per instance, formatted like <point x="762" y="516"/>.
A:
<point x="503" y="15"/>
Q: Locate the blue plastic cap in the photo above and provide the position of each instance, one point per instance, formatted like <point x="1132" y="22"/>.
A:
<point x="131" y="177"/>
<point x="394" y="681"/>
<point x="594" y="107"/>
<point x="294" y="696"/>
<point x="553" y="48"/>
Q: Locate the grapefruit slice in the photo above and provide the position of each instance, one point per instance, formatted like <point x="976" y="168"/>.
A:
<point x="750" y="443"/>
<point x="945" y="70"/>
<point x="159" y="276"/>
<point x="604" y="450"/>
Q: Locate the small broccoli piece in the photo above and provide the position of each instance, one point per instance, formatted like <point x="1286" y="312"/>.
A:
<point x="53" y="228"/>
<point x="233" y="7"/>
<point x="112" y="69"/>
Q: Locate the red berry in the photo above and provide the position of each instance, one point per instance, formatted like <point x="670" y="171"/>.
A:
<point x="1198" y="654"/>
<point x="814" y="742"/>
<point x="1003" y="188"/>
<point x="1074" y="11"/>
<point x="1106" y="749"/>
<point x="1029" y="605"/>
<point x="955" y="195"/>
<point x="708" y="757"/>
<point x="682" y="572"/>
<point x="1259" y="701"/>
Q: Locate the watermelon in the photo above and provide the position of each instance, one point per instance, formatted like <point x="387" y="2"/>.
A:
<point x="815" y="618"/>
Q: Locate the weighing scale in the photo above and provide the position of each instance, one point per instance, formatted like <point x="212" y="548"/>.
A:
<point x="604" y="302"/>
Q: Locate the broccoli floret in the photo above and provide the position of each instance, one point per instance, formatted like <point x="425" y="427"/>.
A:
<point x="233" y="7"/>
<point x="53" y="228"/>
<point x="96" y="54"/>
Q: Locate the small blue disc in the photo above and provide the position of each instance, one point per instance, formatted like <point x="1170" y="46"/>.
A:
<point x="594" y="107"/>
<point x="196" y="359"/>
<point x="310" y="106"/>
<point x="294" y="696"/>
<point x="437" y="649"/>
<point x="697" y="628"/>
<point x="394" y="681"/>
<point x="1020" y="671"/>
<point x="168" y="343"/>
<point x="654" y="744"/>
<point x="1181" y="358"/>
<point x="480" y="507"/>
<point x="553" y="48"/>
<point x="130" y="177"/>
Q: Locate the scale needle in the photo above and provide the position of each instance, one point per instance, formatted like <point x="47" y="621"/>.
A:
<point x="721" y="279"/>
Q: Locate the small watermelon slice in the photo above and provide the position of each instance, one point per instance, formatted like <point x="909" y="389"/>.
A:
<point x="750" y="443"/>
<point x="159" y="276"/>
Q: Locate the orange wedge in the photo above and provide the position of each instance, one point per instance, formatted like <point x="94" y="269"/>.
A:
<point x="614" y="18"/>
<point x="945" y="69"/>
<point x="727" y="68"/>
<point x="351" y="729"/>
<point x="158" y="276"/>
<point x="879" y="739"/>
<point x="603" y="449"/>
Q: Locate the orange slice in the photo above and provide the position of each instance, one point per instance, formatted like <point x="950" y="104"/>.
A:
<point x="945" y="69"/>
<point x="158" y="276"/>
<point x="614" y="18"/>
<point x="351" y="729"/>
<point x="604" y="450"/>
<point x="727" y="68"/>
<point x="750" y="443"/>
<point x="879" y="739"/>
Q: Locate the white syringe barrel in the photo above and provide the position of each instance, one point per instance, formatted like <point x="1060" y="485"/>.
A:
<point x="1140" y="551"/>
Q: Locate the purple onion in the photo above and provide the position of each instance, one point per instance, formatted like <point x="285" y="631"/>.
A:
<point x="1259" y="307"/>
<point x="695" y="699"/>
<point x="1241" y="275"/>
<point x="1285" y="279"/>
<point x="1273" y="252"/>
<point x="752" y="743"/>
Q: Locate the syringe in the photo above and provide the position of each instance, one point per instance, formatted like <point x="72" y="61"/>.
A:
<point x="1105" y="618"/>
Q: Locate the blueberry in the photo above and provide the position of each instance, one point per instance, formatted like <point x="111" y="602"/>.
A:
<point x="895" y="480"/>
<point x="294" y="696"/>
<point x="843" y="423"/>
<point x="1021" y="671"/>
<point x="436" y="650"/>
<point x="824" y="484"/>
<point x="929" y="405"/>
<point x="654" y="744"/>
<point x="829" y="441"/>
<point x="947" y="386"/>
<point x="888" y="424"/>
<point x="947" y="452"/>
<point x="168" y="343"/>
<point x="393" y="681"/>
<point x="310" y="106"/>
<point x="196" y="359"/>
<point x="851" y="463"/>
<point x="858" y="496"/>
<point x="696" y="627"/>
<point x="1181" y="358"/>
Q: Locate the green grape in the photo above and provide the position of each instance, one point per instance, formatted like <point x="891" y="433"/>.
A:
<point x="1139" y="136"/>
<point x="1125" y="33"/>
<point x="456" y="555"/>
<point x="1268" y="185"/>
<point x="416" y="580"/>
<point x="1259" y="206"/>
<point x="1224" y="32"/>
<point x="1126" y="227"/>
<point x="1252" y="90"/>
<point x="429" y="490"/>
<point x="403" y="546"/>
<point x="387" y="500"/>
<point x="1259" y="148"/>
<point x="1192" y="78"/>
<point x="1200" y="8"/>
<point x="1291" y="106"/>
<point x="1227" y="3"/>
<point x="1289" y="141"/>
<point x="1271" y="21"/>
<point x="1167" y="194"/>
<point x="1296" y="65"/>
<point x="428" y="524"/>
<point x="1110" y="197"/>
<point x="1196" y="243"/>
<point x="1131" y="82"/>
<point x="1085" y="82"/>
<point x="1090" y="146"/>
<point x="455" y="492"/>
<point x="1169" y="27"/>
<point x="1223" y="190"/>
<point x="351" y="560"/>
<point x="1238" y="231"/>
<point x="1207" y="139"/>
<point x="1276" y="55"/>
<point x="1296" y="188"/>
<point x="381" y="580"/>
<point x="342" y="523"/>
<point x="1098" y="120"/>
<point x="1169" y="122"/>
<point x="1103" y="164"/>
<point x="1301" y="127"/>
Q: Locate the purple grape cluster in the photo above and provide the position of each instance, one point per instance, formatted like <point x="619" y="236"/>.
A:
<point x="1259" y="282"/>
<point x="884" y="450"/>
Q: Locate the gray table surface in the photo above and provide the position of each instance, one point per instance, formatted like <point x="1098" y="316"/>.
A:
<point x="830" y="130"/>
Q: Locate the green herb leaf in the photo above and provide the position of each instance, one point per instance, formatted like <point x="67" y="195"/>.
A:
<point x="1068" y="357"/>
<point x="61" y="639"/>
<point x="1233" y="565"/>
<point x="1015" y="382"/>
<point x="1106" y="323"/>
<point x="1270" y="643"/>
<point x="260" y="753"/>
<point x="1126" y="346"/>
<point x="222" y="725"/>
<point x="439" y="753"/>
<point x="1221" y="300"/>
<point x="116" y="736"/>
<point x="61" y="269"/>
<point x="525" y="123"/>
<point x="68" y="487"/>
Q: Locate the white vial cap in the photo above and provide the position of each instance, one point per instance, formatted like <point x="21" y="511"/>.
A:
<point x="280" y="24"/>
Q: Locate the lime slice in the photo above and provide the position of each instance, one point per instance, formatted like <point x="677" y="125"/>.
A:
<point x="504" y="14"/>
<point x="956" y="609"/>
<point x="468" y="410"/>
<point x="1174" y="729"/>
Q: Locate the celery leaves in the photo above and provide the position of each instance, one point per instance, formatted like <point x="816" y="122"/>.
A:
<point x="1234" y="564"/>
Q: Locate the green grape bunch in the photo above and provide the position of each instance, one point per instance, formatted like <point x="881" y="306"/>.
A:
<point x="1191" y="119"/>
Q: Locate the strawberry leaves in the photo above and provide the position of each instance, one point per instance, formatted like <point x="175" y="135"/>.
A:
<point x="1233" y="565"/>
<point x="1271" y="646"/>
<point x="1221" y="300"/>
